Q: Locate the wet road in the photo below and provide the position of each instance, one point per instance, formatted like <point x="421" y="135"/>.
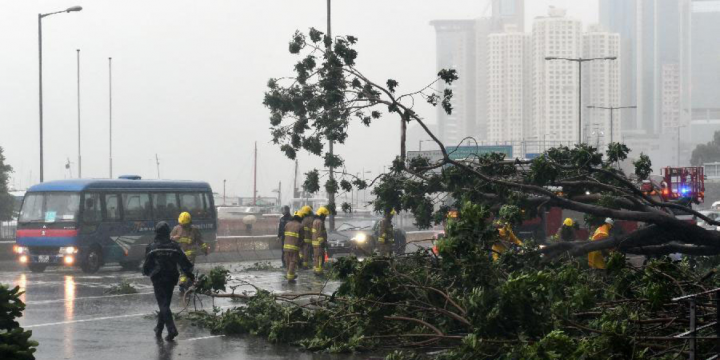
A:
<point x="72" y="317"/>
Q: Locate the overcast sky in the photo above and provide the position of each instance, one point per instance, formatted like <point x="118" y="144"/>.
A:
<point x="189" y="78"/>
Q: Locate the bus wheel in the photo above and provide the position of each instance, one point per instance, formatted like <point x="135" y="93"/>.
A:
<point x="93" y="261"/>
<point x="129" y="265"/>
<point x="37" y="268"/>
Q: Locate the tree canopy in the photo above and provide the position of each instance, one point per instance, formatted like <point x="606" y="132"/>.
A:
<point x="706" y="153"/>
<point x="7" y="203"/>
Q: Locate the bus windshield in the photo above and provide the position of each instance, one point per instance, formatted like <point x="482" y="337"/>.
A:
<point x="50" y="207"/>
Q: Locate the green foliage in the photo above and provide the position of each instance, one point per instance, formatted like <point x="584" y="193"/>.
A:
<point x="643" y="167"/>
<point x="15" y="342"/>
<point x="262" y="266"/>
<point x="214" y="282"/>
<point x="124" y="287"/>
<point x="705" y="153"/>
<point x="7" y="202"/>
<point x="312" y="181"/>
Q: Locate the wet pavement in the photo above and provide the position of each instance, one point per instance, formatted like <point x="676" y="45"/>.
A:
<point x="72" y="317"/>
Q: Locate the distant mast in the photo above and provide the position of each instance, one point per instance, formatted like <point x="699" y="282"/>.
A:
<point x="255" y="177"/>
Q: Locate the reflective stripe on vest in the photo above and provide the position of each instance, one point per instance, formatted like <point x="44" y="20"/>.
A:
<point x="185" y="240"/>
<point x="317" y="243"/>
<point x="291" y="247"/>
<point x="307" y="241"/>
<point x="290" y="233"/>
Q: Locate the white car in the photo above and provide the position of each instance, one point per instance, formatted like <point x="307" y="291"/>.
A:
<point x="712" y="214"/>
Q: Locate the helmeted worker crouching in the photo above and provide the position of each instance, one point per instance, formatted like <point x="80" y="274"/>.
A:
<point x="386" y="234"/>
<point x="307" y="223"/>
<point x="294" y="239"/>
<point x="566" y="231"/>
<point x="319" y="237"/>
<point x="506" y="237"/>
<point x="596" y="260"/>
<point x="190" y="240"/>
<point x="162" y="258"/>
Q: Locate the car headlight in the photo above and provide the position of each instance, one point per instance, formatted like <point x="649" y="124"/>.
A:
<point x="68" y="250"/>
<point x="360" y="238"/>
<point x="21" y="250"/>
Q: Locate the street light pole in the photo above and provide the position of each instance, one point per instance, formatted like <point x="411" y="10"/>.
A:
<point x="40" y="81"/>
<point x="580" y="61"/>
<point x="678" y="144"/>
<point x="612" y="119"/>
<point x="110" y="95"/>
<point x="78" y="111"/>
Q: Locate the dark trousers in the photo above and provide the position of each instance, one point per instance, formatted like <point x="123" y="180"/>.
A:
<point x="163" y="295"/>
<point x="282" y="251"/>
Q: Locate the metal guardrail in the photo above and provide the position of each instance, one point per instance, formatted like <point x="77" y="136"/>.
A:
<point x="691" y="334"/>
<point x="7" y="230"/>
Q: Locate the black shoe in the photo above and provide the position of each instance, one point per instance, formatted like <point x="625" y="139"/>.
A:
<point x="158" y="332"/>
<point x="171" y="335"/>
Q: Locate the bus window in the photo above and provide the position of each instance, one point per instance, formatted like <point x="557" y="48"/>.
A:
<point x="208" y="205"/>
<point x="92" y="211"/>
<point x="112" y="210"/>
<point x="193" y="203"/>
<point x="50" y="207"/>
<point x="136" y="206"/>
<point x="166" y="206"/>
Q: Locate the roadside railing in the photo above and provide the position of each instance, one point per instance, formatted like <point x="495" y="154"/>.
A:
<point x="7" y="230"/>
<point x="701" y="303"/>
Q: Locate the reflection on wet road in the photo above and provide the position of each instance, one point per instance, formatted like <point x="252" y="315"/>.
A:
<point x="72" y="317"/>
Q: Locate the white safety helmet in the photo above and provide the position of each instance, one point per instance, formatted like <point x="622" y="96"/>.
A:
<point x="610" y="221"/>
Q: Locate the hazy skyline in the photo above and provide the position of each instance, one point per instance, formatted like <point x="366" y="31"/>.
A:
<point x="189" y="78"/>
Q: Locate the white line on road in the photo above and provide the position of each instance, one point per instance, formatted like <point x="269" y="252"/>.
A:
<point x="81" y="298"/>
<point x="85" y="320"/>
<point x="203" y="338"/>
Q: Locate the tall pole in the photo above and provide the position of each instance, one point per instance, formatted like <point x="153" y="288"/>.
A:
<point x="78" y="112"/>
<point x="611" y="124"/>
<point x="331" y="195"/>
<point x="110" y="92"/>
<point x="224" y="181"/>
<point x="40" y="77"/>
<point x="157" y="165"/>
<point x="279" y="193"/>
<point x="255" y="177"/>
<point x="580" y="101"/>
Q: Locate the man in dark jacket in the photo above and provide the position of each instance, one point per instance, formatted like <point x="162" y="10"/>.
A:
<point x="281" y="231"/>
<point x="162" y="259"/>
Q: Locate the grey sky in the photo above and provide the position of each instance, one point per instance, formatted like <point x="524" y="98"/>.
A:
<point x="189" y="77"/>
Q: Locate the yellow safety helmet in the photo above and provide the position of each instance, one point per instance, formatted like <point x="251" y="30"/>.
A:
<point x="568" y="222"/>
<point x="185" y="218"/>
<point x="305" y="210"/>
<point x="323" y="211"/>
<point x="298" y="213"/>
<point x="393" y="212"/>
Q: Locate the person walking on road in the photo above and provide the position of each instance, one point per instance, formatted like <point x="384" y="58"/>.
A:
<point x="293" y="244"/>
<point x="190" y="240"/>
<point x="162" y="258"/>
<point x="386" y="234"/>
<point x="281" y="231"/>
<point x="307" y="223"/>
<point x="319" y="236"/>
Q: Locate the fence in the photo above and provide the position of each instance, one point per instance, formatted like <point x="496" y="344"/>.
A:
<point x="7" y="230"/>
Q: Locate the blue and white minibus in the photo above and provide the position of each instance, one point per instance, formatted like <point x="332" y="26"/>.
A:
<point x="89" y="223"/>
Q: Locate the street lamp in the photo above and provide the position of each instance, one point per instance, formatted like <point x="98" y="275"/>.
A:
<point x="40" y="17"/>
<point x="612" y="109"/>
<point x="580" y="61"/>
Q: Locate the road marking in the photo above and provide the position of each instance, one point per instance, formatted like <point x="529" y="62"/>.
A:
<point x="81" y="298"/>
<point x="84" y="320"/>
<point x="203" y="338"/>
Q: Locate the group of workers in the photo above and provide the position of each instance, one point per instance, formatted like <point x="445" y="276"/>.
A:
<point x="596" y="259"/>
<point x="304" y="239"/>
<point x="170" y="250"/>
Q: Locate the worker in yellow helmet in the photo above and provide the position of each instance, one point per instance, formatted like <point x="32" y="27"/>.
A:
<point x="293" y="244"/>
<point x="566" y="231"/>
<point x="386" y="234"/>
<point x="596" y="260"/>
<point x="506" y="238"/>
<point x="190" y="240"/>
<point x="307" y="223"/>
<point x="319" y="237"/>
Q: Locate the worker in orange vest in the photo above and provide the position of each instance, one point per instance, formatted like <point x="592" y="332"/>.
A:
<point x="506" y="236"/>
<point x="595" y="258"/>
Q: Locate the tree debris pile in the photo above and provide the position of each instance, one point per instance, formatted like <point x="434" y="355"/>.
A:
<point x="15" y="341"/>
<point x="469" y="307"/>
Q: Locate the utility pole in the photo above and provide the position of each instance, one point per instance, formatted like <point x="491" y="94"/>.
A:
<point x="110" y="93"/>
<point x="279" y="193"/>
<point x="331" y="196"/>
<point x="78" y="105"/>
<point x="157" y="164"/>
<point x="255" y="178"/>
<point x="580" y="61"/>
<point x="295" y="189"/>
<point x="224" y="181"/>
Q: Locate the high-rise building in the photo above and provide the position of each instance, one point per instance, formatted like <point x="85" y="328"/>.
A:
<point x="601" y="86"/>
<point x="509" y="84"/>
<point x="555" y="97"/>
<point x="670" y="97"/>
<point x="705" y="70"/>
<point x="462" y="45"/>
<point x="455" y="49"/>
<point x="654" y="33"/>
